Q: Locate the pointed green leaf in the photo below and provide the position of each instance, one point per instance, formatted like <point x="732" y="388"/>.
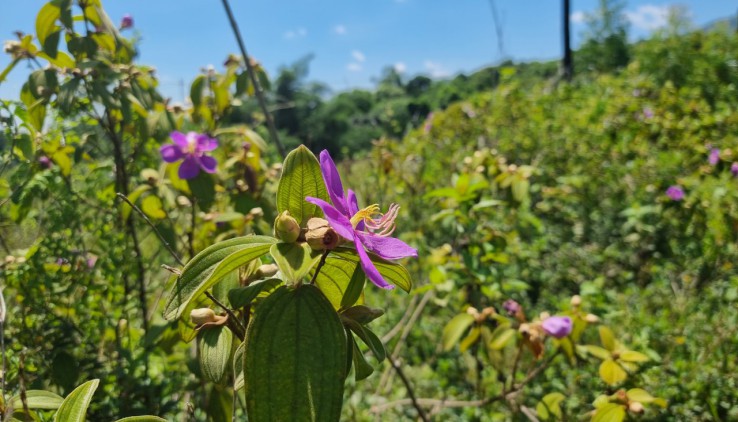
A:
<point x="209" y="266"/>
<point x="46" y="21"/>
<point x="470" y="339"/>
<point x="295" y="359"/>
<point x="295" y="260"/>
<point x="362" y="368"/>
<point x="354" y="289"/>
<point x="243" y="296"/>
<point x="74" y="406"/>
<point x="196" y="90"/>
<point x="153" y="208"/>
<point x="301" y="177"/>
<point x="38" y="399"/>
<point x="550" y="404"/>
<point x="362" y="314"/>
<point x="609" y="412"/>
<point x="595" y="351"/>
<point x="454" y="329"/>
<point x="607" y="338"/>
<point x="215" y="352"/>
<point x="368" y="337"/>
<point x="631" y="356"/>
<point x="639" y="395"/>
<point x="334" y="278"/>
<point x="612" y="373"/>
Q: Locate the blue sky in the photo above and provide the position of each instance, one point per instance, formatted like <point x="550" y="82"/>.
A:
<point x="352" y="40"/>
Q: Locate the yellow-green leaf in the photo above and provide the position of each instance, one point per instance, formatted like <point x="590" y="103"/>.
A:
<point x="612" y="373"/>
<point x="454" y="329"/>
<point x="74" y="406"/>
<point x="609" y="412"/>
<point x="152" y="207"/>
<point x="301" y="177"/>
<point x="607" y="338"/>
<point x="38" y="399"/>
<point x="631" y="356"/>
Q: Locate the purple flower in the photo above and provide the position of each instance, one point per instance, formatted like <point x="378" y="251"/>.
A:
<point x="511" y="307"/>
<point x="190" y="148"/>
<point x="367" y="228"/>
<point x="714" y="157"/>
<point x="675" y="192"/>
<point x="647" y="113"/>
<point x="734" y="169"/>
<point x="44" y="162"/>
<point x="557" y="326"/>
<point x="126" y="22"/>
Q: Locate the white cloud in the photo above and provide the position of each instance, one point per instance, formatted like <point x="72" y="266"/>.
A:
<point x="400" y="67"/>
<point x="339" y="29"/>
<point x="578" y="17"/>
<point x="648" y="17"/>
<point x="358" y="56"/>
<point x="435" y="69"/>
<point x="297" y="33"/>
<point x="354" y="67"/>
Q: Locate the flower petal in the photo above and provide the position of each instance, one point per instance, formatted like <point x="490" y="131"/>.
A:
<point x="208" y="163"/>
<point x="190" y="168"/>
<point x="557" y="326"/>
<point x="368" y="266"/>
<point x="340" y="223"/>
<point x="180" y="139"/>
<point x="171" y="153"/>
<point x="206" y="143"/>
<point x="353" y="208"/>
<point x="387" y="247"/>
<point x="333" y="182"/>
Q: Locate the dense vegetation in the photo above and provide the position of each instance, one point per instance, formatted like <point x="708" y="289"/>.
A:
<point x="611" y="200"/>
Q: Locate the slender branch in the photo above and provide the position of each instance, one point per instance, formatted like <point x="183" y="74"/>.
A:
<point x="515" y="364"/>
<point x="409" y="388"/>
<point x="254" y="80"/>
<point x="320" y="265"/>
<point x="156" y="231"/>
<point x="231" y="316"/>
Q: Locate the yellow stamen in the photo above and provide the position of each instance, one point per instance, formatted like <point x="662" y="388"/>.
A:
<point x="364" y="214"/>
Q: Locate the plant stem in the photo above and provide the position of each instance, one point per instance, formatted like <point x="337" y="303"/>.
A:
<point x="240" y="329"/>
<point x="254" y="80"/>
<point x="409" y="388"/>
<point x="320" y="265"/>
<point x="151" y="224"/>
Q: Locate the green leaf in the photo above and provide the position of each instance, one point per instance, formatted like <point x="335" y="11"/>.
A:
<point x="152" y="207"/>
<point x="243" y="296"/>
<point x="238" y="357"/>
<point x="607" y="338"/>
<point x="354" y="289"/>
<point x="209" y="266"/>
<point x="595" y="351"/>
<point x="609" y="412"/>
<point x="203" y="189"/>
<point x="146" y="418"/>
<point x="368" y="337"/>
<point x="215" y="345"/>
<point x="549" y="405"/>
<point x="66" y="95"/>
<point x="362" y="368"/>
<point x="334" y="277"/>
<point x="38" y="399"/>
<point x="74" y="406"/>
<point x="301" y="177"/>
<point x="133" y="197"/>
<point x="470" y="339"/>
<point x="501" y="337"/>
<point x="454" y="329"/>
<point x="612" y="373"/>
<point x="295" y="358"/>
<point x="295" y="260"/>
<point x="639" y="395"/>
<point x="631" y="356"/>
<point x="393" y="272"/>
<point x="46" y="21"/>
<point x="196" y="90"/>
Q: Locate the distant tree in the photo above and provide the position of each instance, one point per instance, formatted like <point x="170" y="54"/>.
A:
<point x="605" y="45"/>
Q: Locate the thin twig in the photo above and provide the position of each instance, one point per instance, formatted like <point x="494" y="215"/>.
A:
<point x="254" y="80"/>
<point x="151" y="224"/>
<point x="409" y="388"/>
<point x="515" y="364"/>
<point x="231" y="315"/>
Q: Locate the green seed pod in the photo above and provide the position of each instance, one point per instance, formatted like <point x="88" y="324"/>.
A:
<point x="286" y="228"/>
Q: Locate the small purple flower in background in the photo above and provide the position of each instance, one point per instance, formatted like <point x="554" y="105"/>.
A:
<point x="511" y="307"/>
<point x="91" y="261"/>
<point x="557" y="326"/>
<point x="367" y="228"/>
<point x="647" y="113"/>
<point x="714" y="157"/>
<point x="675" y="193"/>
<point x="190" y="148"/>
<point x="636" y="92"/>
<point x="44" y="162"/>
<point x="126" y="22"/>
<point x="734" y="169"/>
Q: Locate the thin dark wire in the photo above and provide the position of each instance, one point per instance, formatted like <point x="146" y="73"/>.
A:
<point x="498" y="28"/>
<point x="254" y="80"/>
